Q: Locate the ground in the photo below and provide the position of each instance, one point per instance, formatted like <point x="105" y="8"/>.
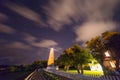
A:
<point x="87" y="72"/>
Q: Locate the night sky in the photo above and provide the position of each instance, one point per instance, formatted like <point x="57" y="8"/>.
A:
<point x="29" y="28"/>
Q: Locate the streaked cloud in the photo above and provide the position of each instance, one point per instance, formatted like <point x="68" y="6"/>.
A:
<point x="98" y="19"/>
<point x="6" y="29"/>
<point x="45" y="43"/>
<point x="2" y="41"/>
<point x="96" y="15"/>
<point x="84" y="19"/>
<point x="25" y="12"/>
<point x="66" y="12"/>
<point x="58" y="49"/>
<point x="29" y="38"/>
<point x="3" y="17"/>
<point x="92" y="29"/>
<point x="59" y="13"/>
<point x="18" y="45"/>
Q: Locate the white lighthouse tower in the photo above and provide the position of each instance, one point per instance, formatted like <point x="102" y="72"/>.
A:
<point x="50" y="64"/>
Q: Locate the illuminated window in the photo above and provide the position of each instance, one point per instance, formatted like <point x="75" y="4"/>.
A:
<point x="112" y="64"/>
<point x="107" y="54"/>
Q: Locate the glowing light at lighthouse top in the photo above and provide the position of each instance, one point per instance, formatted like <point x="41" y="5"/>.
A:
<point x="51" y="57"/>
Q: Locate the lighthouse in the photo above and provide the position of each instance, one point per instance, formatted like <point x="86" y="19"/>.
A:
<point x="50" y="64"/>
<point x="51" y="58"/>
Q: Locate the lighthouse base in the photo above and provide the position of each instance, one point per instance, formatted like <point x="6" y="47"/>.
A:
<point x="52" y="68"/>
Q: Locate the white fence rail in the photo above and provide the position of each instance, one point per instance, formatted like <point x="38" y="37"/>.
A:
<point x="83" y="77"/>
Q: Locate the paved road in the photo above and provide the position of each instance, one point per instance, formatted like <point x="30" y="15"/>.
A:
<point x="36" y="75"/>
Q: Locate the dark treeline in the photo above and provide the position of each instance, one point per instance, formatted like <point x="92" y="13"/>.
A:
<point x="23" y="67"/>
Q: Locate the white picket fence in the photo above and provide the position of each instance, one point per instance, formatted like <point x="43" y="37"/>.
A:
<point x="82" y="77"/>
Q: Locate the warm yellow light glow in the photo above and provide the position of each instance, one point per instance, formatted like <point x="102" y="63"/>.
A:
<point x="95" y="67"/>
<point x="51" y="57"/>
<point x="107" y="54"/>
<point x="112" y="64"/>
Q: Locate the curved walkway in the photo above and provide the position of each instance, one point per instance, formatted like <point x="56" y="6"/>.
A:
<point x="36" y="75"/>
<point x="39" y="74"/>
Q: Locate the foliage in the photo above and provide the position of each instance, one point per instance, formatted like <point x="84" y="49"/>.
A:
<point x="81" y="57"/>
<point x="114" y="43"/>
<point x="38" y="64"/>
<point x="114" y="46"/>
<point x="75" y="56"/>
<point x="64" y="59"/>
<point x="99" y="44"/>
<point x="12" y="68"/>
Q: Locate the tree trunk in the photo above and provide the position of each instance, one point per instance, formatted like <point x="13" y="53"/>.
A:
<point x="77" y="68"/>
<point x="66" y="68"/>
<point x="81" y="67"/>
<point x="105" y="71"/>
<point x="117" y="64"/>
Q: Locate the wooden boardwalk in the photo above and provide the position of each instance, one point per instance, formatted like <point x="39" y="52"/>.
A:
<point x="39" y="74"/>
<point x="36" y="75"/>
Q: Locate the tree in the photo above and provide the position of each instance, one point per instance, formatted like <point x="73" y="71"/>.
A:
<point x="38" y="64"/>
<point x="81" y="57"/>
<point x="99" y="45"/>
<point x="12" y="68"/>
<point x="97" y="49"/>
<point x="65" y="60"/>
<point x="75" y="56"/>
<point x="114" y="45"/>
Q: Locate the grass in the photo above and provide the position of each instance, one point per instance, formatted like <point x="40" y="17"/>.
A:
<point x="87" y="72"/>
